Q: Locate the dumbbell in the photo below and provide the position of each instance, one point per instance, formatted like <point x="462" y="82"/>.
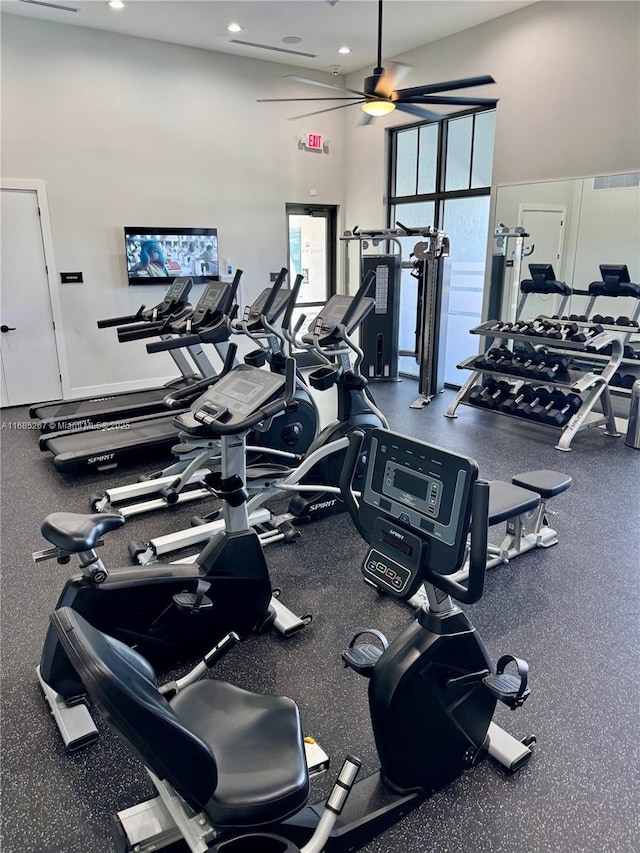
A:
<point x="578" y="318"/>
<point x="499" y="326"/>
<point x="513" y="402"/>
<point x="625" y="321"/>
<point x="560" y="414"/>
<point x="490" y="359"/>
<point x="586" y="334"/>
<point x="534" y="407"/>
<point x="491" y="392"/>
<point x="551" y="370"/>
<point x="623" y="380"/>
<point x="607" y="319"/>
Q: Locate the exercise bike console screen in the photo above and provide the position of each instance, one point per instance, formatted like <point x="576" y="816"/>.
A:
<point x="426" y="490"/>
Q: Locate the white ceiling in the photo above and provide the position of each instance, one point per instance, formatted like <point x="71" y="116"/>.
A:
<point x="323" y="28"/>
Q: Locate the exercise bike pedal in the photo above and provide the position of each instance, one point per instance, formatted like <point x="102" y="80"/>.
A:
<point x="509" y="689"/>
<point x="363" y="657"/>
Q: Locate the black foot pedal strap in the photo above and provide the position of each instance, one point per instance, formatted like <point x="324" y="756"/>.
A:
<point x="363" y="657"/>
<point x="509" y="689"/>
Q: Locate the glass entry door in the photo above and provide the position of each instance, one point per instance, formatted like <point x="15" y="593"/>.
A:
<point x="311" y="241"/>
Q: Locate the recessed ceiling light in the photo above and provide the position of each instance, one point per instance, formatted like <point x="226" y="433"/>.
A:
<point x="116" y="4"/>
<point x="234" y="28"/>
<point x="291" y="40"/>
<point x="344" y="49"/>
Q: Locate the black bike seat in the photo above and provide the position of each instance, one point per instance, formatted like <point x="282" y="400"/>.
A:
<point x="74" y="532"/>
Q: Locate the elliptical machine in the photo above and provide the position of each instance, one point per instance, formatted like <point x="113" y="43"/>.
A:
<point x="172" y="613"/>
<point x="432" y="691"/>
<point x="313" y="479"/>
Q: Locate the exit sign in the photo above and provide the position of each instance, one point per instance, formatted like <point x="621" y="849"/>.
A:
<point x="314" y="141"/>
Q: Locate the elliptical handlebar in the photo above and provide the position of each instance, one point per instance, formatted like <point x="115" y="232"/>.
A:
<point x="361" y="293"/>
<point x="288" y="314"/>
<point x="277" y="285"/>
<point x="210" y="416"/>
<point x="346" y="478"/>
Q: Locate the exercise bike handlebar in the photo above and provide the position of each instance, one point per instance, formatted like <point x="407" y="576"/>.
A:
<point x="267" y="412"/>
<point x="175" y="400"/>
<point x="472" y="592"/>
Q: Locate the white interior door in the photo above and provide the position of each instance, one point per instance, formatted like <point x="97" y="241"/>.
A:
<point x="545" y="224"/>
<point x="29" y="358"/>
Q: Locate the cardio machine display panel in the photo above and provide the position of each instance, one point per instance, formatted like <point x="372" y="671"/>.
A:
<point x="244" y="390"/>
<point x="213" y="295"/>
<point x="180" y="288"/>
<point x="334" y="312"/>
<point x="256" y="309"/>
<point x="425" y="488"/>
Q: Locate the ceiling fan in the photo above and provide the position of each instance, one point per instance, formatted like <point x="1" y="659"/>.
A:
<point x="380" y="95"/>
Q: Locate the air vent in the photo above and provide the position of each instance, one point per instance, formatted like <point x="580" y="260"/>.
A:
<point x="270" y="47"/>
<point x="396" y="543"/>
<point x="51" y="5"/>
<point x="617" y="182"/>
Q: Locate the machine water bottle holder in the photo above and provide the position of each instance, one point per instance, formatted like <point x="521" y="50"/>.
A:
<point x="256" y="843"/>
<point x="256" y="358"/>
<point x="324" y="377"/>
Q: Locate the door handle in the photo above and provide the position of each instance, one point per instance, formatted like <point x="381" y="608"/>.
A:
<point x="4" y="328"/>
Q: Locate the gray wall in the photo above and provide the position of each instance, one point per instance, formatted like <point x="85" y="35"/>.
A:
<point x="128" y="131"/>
<point x="568" y="80"/>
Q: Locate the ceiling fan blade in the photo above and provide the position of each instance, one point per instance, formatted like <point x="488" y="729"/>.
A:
<point x="448" y="86"/>
<point x="278" y="100"/>
<point x="312" y="82"/>
<point x="426" y="115"/>
<point x="328" y="110"/>
<point x="434" y="99"/>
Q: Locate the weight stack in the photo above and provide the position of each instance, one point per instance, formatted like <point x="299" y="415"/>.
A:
<point x="381" y="329"/>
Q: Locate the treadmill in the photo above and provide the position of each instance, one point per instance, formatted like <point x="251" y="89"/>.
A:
<point x="60" y="415"/>
<point x="132" y="440"/>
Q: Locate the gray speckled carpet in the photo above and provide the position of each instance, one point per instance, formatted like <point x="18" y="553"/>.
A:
<point x="572" y="611"/>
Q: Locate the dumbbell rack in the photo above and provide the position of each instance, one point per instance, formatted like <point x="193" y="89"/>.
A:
<point x="590" y="386"/>
<point x="624" y="333"/>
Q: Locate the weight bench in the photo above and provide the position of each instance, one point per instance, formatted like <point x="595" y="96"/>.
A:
<point x="522" y="504"/>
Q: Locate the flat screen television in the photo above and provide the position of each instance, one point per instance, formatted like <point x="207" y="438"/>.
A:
<point x="158" y="255"/>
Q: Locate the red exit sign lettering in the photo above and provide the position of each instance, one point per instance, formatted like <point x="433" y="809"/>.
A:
<point x="314" y="141"/>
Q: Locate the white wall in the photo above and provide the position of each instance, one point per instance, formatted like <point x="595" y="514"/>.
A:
<point x="128" y="131"/>
<point x="568" y="80"/>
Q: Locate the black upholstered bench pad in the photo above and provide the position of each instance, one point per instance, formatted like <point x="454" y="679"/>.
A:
<point x="545" y="483"/>
<point x="507" y="500"/>
<point x="257" y="743"/>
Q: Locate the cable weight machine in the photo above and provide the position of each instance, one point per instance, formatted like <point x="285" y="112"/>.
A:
<point x="380" y="331"/>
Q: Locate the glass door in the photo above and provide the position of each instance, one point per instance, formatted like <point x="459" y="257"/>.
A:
<point x="311" y="242"/>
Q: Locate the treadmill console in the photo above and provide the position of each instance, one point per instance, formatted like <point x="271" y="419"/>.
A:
<point x="415" y="508"/>
<point x="179" y="290"/>
<point x="212" y="301"/>
<point x="238" y="394"/>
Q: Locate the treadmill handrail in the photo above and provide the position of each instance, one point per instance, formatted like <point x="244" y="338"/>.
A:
<point x="176" y="398"/>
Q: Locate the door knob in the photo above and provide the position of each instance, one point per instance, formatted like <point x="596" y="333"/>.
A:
<point x="4" y="328"/>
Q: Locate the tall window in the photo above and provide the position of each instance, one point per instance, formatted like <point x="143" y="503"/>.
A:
<point x="440" y="174"/>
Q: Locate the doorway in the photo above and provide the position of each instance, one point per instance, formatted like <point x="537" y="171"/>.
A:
<point x="28" y="349"/>
<point x="311" y="241"/>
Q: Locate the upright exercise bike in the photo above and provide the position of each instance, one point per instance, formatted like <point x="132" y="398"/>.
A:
<point x="311" y="481"/>
<point x="175" y="612"/>
<point x="228" y="764"/>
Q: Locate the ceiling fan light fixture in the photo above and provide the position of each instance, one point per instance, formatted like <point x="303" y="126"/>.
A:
<point x="344" y="49"/>
<point x="378" y="107"/>
<point x="115" y="4"/>
<point x="234" y="28"/>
